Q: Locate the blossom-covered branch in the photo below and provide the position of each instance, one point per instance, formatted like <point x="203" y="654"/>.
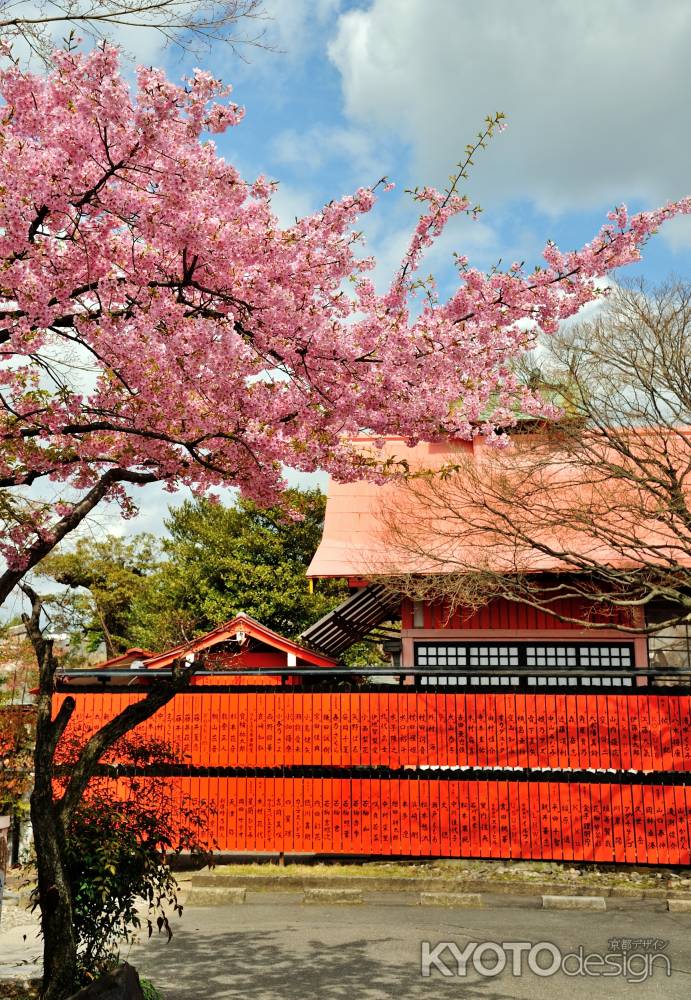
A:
<point x="158" y="324"/>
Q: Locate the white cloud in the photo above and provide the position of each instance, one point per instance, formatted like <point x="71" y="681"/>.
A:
<point x="596" y="93"/>
<point x="677" y="232"/>
<point x="294" y="26"/>
<point x="312" y="149"/>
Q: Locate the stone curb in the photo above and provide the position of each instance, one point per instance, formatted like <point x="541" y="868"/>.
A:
<point x="215" y="895"/>
<point x="22" y="899"/>
<point x="679" y="905"/>
<point x="301" y="883"/>
<point x="460" y="899"/>
<point x="332" y="895"/>
<point x="574" y="903"/>
<point x="292" y="896"/>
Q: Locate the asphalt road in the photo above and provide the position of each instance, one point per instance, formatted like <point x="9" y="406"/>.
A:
<point x="269" y="951"/>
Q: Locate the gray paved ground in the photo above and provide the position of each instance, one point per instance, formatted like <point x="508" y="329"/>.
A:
<point x="20" y="946"/>
<point x="263" y="951"/>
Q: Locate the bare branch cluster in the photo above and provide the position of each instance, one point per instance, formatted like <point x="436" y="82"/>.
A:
<point x="595" y="507"/>
<point x="192" y="25"/>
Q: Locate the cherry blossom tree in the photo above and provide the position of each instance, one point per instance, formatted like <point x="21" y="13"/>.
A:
<point x="158" y="324"/>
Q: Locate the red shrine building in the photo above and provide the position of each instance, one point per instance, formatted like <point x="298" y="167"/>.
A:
<point x="242" y="645"/>
<point x="499" y="635"/>
<point x="443" y="753"/>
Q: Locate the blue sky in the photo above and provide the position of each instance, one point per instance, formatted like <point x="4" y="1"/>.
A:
<point x="596" y="96"/>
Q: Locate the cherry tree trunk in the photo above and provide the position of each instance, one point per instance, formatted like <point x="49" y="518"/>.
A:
<point x="54" y="892"/>
<point x="51" y="818"/>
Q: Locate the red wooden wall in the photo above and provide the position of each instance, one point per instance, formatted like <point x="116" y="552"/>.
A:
<point x="500" y="615"/>
<point x="251" y="660"/>
<point x="622" y="732"/>
<point x="436" y="817"/>
<point x="599" y="777"/>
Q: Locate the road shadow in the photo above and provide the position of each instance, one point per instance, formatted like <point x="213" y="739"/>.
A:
<point x="286" y="965"/>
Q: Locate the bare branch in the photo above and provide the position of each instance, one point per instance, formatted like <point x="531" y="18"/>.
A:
<point x="50" y="729"/>
<point x="192" y="25"/>
<point x="47" y="540"/>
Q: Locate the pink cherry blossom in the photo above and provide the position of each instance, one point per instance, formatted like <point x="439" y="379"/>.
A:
<point x="158" y="324"/>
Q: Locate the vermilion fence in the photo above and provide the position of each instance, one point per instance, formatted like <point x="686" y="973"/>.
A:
<point x="640" y="732"/>
<point x="446" y="817"/>
<point x="563" y="776"/>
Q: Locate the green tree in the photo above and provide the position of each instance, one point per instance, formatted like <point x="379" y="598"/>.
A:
<point x="221" y="560"/>
<point x="103" y="579"/>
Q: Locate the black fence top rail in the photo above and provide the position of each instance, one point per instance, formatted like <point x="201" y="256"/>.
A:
<point x="448" y="680"/>
<point x="67" y="675"/>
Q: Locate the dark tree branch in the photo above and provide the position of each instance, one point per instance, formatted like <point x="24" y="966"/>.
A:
<point x="162" y="691"/>
<point x="47" y="542"/>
